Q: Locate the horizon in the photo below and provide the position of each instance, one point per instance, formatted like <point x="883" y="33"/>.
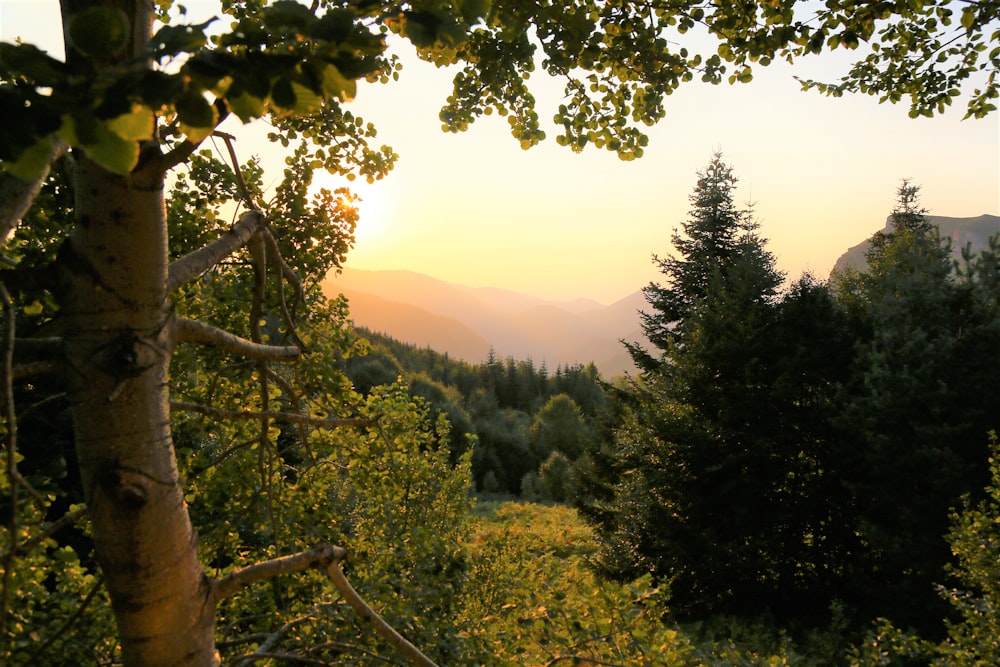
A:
<point x="476" y="209"/>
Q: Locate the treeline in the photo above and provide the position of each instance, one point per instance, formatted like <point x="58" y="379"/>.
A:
<point x="525" y="425"/>
<point x="791" y="452"/>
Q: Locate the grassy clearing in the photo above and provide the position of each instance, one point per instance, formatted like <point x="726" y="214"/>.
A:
<point x="533" y="600"/>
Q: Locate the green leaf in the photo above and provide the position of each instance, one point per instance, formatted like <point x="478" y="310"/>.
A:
<point x="335" y="26"/>
<point x="135" y="126"/>
<point x="174" y="39"/>
<point x="288" y="14"/>
<point x="336" y="84"/>
<point x="31" y="62"/>
<point x="103" y="146"/>
<point x="246" y="106"/>
<point x="100" y="32"/>
<point x="194" y="110"/>
<point x="968" y="17"/>
<point x="33" y="161"/>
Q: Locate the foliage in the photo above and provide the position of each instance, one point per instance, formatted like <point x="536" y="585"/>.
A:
<point x="722" y="480"/>
<point x="974" y="641"/>
<point x="920" y="400"/>
<point x="512" y="414"/>
<point x="619" y="62"/>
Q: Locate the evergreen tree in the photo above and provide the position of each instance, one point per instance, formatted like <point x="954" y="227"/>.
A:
<point x="717" y="484"/>
<point x="923" y="396"/>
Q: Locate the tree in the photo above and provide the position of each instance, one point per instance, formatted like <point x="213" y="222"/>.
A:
<point x="128" y="104"/>
<point x="722" y="484"/>
<point x="559" y="426"/>
<point x="920" y="401"/>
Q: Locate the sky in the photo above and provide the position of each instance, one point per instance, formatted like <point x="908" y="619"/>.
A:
<point x="474" y="208"/>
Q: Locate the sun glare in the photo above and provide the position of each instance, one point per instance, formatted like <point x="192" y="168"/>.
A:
<point x="373" y="212"/>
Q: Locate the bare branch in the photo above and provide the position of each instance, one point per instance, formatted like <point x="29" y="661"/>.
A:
<point x="234" y="582"/>
<point x="269" y="414"/>
<point x="17" y="196"/>
<point x="287" y="274"/>
<point x="242" y="184"/>
<point x="382" y="628"/>
<point x="192" y="331"/>
<point x="9" y="414"/>
<point x="177" y="155"/>
<point x="269" y="641"/>
<point x="22" y="371"/>
<point x="193" y="264"/>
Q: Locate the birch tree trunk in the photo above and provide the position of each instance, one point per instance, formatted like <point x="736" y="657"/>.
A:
<point x="117" y="326"/>
<point x="117" y="332"/>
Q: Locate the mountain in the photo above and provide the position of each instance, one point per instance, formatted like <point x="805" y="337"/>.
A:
<point x="467" y="321"/>
<point x="962" y="231"/>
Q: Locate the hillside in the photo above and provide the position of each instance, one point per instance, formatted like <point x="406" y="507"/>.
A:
<point x="467" y="321"/>
<point x="975" y="232"/>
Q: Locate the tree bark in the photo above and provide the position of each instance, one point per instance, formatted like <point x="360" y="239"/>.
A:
<point x="117" y="345"/>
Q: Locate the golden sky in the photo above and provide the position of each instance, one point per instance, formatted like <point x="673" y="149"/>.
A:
<point x="476" y="209"/>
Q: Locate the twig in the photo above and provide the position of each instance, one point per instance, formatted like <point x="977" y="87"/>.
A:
<point x="269" y="414"/>
<point x="287" y="274"/>
<point x="192" y="331"/>
<point x="382" y="628"/>
<point x="340" y="646"/>
<point x="193" y="264"/>
<point x="10" y="437"/>
<point x="271" y="640"/>
<point x="242" y="184"/>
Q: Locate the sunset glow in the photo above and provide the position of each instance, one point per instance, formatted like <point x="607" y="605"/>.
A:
<point x="476" y="209"/>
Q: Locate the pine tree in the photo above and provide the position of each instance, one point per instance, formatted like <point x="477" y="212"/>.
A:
<point x="716" y="482"/>
<point x="923" y="397"/>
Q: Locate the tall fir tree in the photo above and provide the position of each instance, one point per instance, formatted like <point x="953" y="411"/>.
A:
<point x="719" y="481"/>
<point x="924" y="395"/>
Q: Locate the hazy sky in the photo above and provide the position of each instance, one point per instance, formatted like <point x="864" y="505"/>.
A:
<point x="476" y="209"/>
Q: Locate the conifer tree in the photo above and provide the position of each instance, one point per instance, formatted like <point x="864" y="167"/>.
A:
<point x="715" y="486"/>
<point x="922" y="399"/>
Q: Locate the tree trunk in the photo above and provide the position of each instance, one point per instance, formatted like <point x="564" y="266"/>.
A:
<point x="116" y="323"/>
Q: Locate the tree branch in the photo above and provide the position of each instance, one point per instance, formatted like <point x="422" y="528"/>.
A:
<point x="234" y="582"/>
<point x="240" y="183"/>
<point x="9" y="414"/>
<point x="382" y="628"/>
<point x="289" y="275"/>
<point x="270" y="414"/>
<point x="192" y="331"/>
<point x="193" y="264"/>
<point x="17" y="196"/>
<point x="269" y="641"/>
<point x="22" y="371"/>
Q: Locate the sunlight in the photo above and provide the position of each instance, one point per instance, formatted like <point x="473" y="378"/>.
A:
<point x="369" y="200"/>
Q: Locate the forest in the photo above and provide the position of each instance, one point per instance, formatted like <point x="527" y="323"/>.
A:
<point x="205" y="463"/>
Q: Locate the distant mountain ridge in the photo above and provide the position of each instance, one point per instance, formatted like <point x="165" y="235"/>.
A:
<point x="975" y="232"/>
<point x="467" y="321"/>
